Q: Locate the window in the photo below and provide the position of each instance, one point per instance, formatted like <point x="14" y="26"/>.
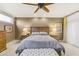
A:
<point x="5" y="18"/>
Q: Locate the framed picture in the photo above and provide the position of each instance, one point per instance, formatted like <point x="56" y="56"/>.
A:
<point x="8" y="28"/>
<point x="1" y="27"/>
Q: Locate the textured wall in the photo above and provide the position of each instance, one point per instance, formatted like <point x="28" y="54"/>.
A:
<point x="36" y="22"/>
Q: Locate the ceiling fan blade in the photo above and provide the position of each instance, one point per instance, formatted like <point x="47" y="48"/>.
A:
<point x="30" y="4"/>
<point x="48" y="3"/>
<point x="36" y="10"/>
<point x="45" y="9"/>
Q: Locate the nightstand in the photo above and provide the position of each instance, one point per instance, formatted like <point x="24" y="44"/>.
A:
<point x="24" y="36"/>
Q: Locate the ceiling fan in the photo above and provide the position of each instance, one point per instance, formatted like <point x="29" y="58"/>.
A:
<point x="40" y="6"/>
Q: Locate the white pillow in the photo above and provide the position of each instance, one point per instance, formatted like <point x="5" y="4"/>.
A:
<point x="35" y="33"/>
<point x="43" y="33"/>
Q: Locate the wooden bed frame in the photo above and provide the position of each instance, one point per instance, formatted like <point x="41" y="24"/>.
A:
<point x="40" y="29"/>
<point x="45" y="29"/>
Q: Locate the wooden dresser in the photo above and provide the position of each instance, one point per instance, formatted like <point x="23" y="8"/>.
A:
<point x="2" y="41"/>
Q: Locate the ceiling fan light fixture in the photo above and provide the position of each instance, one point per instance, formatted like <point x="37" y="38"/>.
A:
<point x="40" y="6"/>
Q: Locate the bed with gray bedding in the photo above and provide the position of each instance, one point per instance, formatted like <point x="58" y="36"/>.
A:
<point x="39" y="40"/>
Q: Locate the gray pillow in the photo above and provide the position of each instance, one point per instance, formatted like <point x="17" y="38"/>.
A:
<point x="35" y="33"/>
<point x="43" y="33"/>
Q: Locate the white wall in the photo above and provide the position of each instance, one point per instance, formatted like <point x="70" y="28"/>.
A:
<point x="73" y="29"/>
<point x="22" y="10"/>
<point x="6" y="21"/>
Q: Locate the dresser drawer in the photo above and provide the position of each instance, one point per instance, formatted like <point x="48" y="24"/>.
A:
<point x="3" y="45"/>
<point x="2" y="41"/>
<point x="2" y="49"/>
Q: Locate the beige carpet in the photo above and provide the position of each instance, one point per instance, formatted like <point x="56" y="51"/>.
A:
<point x="70" y="50"/>
<point x="11" y="47"/>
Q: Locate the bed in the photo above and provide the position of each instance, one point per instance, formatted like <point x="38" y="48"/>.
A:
<point x="39" y="43"/>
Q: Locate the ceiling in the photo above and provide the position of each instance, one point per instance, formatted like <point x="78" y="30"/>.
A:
<point x="22" y="10"/>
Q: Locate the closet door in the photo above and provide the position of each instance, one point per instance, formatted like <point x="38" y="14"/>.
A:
<point x="2" y="41"/>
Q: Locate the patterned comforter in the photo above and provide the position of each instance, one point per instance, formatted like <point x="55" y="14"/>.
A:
<point x="39" y="52"/>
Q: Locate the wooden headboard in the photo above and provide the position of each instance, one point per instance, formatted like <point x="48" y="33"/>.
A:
<point x="40" y="29"/>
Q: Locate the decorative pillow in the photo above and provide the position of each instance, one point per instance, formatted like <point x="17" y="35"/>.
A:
<point x="35" y="33"/>
<point x="44" y="33"/>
